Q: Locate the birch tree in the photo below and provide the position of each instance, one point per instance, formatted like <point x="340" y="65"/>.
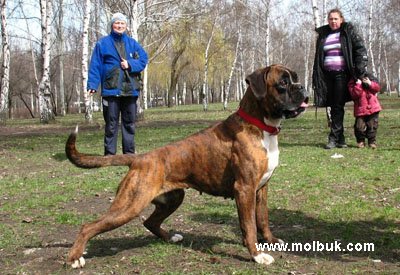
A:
<point x="316" y="16"/>
<point x="4" y="91"/>
<point x="370" y="52"/>
<point x="398" y="81"/>
<point x="232" y="69"/>
<point x="134" y="23"/>
<point x="267" y="4"/>
<point x="176" y="69"/>
<point x="45" y="106"/>
<point x="85" y="52"/>
<point x="206" y="60"/>
<point x="61" y="55"/>
<point x="34" y="90"/>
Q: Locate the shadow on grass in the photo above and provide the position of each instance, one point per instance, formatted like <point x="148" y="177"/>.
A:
<point x="197" y="242"/>
<point x="296" y="227"/>
<point x="291" y="226"/>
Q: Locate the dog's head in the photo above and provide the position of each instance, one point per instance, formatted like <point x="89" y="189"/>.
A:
<point x="279" y="92"/>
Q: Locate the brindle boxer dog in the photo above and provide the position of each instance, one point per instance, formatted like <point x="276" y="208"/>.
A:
<point x="234" y="158"/>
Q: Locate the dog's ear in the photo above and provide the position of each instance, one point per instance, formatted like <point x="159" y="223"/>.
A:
<point x="258" y="82"/>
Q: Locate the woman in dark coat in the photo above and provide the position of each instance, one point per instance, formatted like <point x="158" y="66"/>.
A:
<point x="340" y="55"/>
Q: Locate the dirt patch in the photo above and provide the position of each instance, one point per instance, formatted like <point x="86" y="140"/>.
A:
<point x="211" y="245"/>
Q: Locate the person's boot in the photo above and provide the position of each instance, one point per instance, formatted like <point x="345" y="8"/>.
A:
<point x="331" y="144"/>
<point x="341" y="145"/>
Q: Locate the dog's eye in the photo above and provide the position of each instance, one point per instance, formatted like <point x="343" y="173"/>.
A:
<point x="283" y="82"/>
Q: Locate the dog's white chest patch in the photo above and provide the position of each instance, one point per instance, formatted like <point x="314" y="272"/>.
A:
<point x="270" y="143"/>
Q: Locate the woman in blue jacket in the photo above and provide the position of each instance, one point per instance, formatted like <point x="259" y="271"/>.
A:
<point x="116" y="63"/>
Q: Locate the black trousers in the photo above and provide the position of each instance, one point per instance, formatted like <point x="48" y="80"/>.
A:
<point x="338" y="95"/>
<point x="113" y="107"/>
<point x="365" y="127"/>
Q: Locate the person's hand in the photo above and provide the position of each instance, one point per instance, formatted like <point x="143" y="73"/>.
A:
<point x="124" y="64"/>
<point x="366" y="81"/>
<point x="358" y="81"/>
<point x="91" y="91"/>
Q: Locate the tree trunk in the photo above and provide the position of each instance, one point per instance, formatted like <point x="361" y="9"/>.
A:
<point x="145" y="92"/>
<point x="371" y="54"/>
<point x="316" y="16"/>
<point x="85" y="52"/>
<point x="175" y="72"/>
<point x="134" y="26"/>
<point x="267" y="4"/>
<point x="4" y="91"/>
<point x="61" y="57"/>
<point x="232" y="70"/>
<point x="35" y="73"/>
<point x="206" y="59"/>
<point x="398" y="82"/>
<point x="386" y="72"/>
<point x="45" y="107"/>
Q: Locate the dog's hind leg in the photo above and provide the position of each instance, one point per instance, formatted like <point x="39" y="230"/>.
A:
<point x="128" y="204"/>
<point x="165" y="204"/>
<point x="262" y="216"/>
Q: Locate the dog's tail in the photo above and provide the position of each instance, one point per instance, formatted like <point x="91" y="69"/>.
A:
<point x="93" y="161"/>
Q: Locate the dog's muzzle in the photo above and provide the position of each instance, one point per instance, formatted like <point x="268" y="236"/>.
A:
<point x="301" y="107"/>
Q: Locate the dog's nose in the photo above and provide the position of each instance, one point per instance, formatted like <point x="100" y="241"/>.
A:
<point x="304" y="91"/>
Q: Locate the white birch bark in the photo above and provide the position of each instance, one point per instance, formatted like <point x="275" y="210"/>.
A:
<point x="184" y="92"/>
<point x="145" y="90"/>
<point x="316" y="16"/>
<point x="134" y="21"/>
<point x="386" y="72"/>
<point x="222" y="91"/>
<point x="206" y="60"/>
<point x="61" y="57"/>
<point x="78" y="96"/>
<point x="134" y="24"/>
<point x="232" y="69"/>
<point x="88" y="99"/>
<point x="5" y="77"/>
<point x="240" y="74"/>
<point x="267" y="4"/>
<point x="45" y="106"/>
<point x="306" y="56"/>
<point x="378" y="73"/>
<point x="35" y="94"/>
<point x="398" y="81"/>
<point x="371" y="54"/>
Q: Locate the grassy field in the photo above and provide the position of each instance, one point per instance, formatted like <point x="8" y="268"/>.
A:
<point x="312" y="197"/>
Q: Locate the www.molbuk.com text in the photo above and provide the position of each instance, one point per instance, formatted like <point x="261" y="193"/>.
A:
<point x="316" y="246"/>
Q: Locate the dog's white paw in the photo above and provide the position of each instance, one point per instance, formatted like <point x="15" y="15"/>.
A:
<point x="176" y="238"/>
<point x="264" y="258"/>
<point x="281" y="241"/>
<point x="78" y="263"/>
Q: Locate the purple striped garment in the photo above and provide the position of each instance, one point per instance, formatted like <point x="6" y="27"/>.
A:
<point x="334" y="60"/>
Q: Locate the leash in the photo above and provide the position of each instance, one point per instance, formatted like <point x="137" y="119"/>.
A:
<point x="272" y="130"/>
<point x="122" y="56"/>
<point x="135" y="80"/>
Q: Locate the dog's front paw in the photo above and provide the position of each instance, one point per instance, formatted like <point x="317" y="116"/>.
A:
<point x="176" y="238"/>
<point x="264" y="258"/>
<point x="78" y="263"/>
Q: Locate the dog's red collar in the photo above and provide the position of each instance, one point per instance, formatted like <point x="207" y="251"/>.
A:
<point x="272" y="130"/>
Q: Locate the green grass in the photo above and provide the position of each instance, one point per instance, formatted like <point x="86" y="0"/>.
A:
<point x="311" y="197"/>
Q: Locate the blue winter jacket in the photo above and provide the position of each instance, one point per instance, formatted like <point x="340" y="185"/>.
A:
<point x="105" y="65"/>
